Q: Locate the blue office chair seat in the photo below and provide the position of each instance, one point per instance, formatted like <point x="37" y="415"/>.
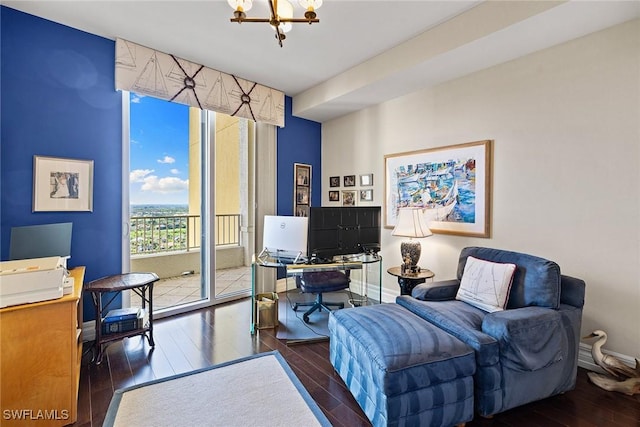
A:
<point x="318" y="282"/>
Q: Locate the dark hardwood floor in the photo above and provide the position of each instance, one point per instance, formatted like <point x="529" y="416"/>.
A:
<point x="218" y="334"/>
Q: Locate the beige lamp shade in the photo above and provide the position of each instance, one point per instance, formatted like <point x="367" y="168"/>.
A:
<point x="411" y="224"/>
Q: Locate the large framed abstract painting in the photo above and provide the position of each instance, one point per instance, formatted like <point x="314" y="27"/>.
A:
<point x="451" y="184"/>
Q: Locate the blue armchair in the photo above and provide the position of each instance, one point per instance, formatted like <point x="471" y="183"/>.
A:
<point x="525" y="353"/>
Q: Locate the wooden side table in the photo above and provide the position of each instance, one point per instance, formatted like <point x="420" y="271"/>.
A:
<point x="140" y="283"/>
<point x="408" y="281"/>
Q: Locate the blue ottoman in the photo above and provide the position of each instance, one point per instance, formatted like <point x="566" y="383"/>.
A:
<point x="401" y="369"/>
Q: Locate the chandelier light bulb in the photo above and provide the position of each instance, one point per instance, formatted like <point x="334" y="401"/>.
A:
<point x="240" y="5"/>
<point x="311" y="4"/>
<point x="285" y="10"/>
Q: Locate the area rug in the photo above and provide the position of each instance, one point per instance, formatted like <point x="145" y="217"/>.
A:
<point x="294" y="330"/>
<point x="259" y="390"/>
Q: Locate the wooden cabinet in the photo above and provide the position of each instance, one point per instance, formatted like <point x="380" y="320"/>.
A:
<point x="40" y="355"/>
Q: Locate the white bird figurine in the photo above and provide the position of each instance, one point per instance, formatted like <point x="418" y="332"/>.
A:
<point x="629" y="386"/>
<point x="611" y="364"/>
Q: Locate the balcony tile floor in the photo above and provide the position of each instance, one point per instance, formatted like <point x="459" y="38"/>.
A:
<point x="184" y="289"/>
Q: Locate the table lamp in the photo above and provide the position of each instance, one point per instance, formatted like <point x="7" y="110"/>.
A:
<point x="411" y="223"/>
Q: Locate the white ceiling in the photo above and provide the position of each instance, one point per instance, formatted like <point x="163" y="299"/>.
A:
<point x="355" y="33"/>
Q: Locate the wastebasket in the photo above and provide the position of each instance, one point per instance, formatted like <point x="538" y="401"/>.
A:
<point x="266" y="310"/>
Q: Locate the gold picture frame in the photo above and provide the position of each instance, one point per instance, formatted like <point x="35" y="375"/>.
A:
<point x="451" y="184"/>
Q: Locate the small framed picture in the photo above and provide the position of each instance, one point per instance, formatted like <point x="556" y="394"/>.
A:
<point x="303" y="174"/>
<point x="62" y="184"/>
<point x="334" y="181"/>
<point x="349" y="180"/>
<point x="334" y="196"/>
<point x="302" y="196"/>
<point x="366" y="180"/>
<point x="348" y="197"/>
<point x="366" y="195"/>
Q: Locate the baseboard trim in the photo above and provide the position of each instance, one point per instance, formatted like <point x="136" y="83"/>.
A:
<point x="389" y="295"/>
<point x="585" y="360"/>
<point x="281" y="285"/>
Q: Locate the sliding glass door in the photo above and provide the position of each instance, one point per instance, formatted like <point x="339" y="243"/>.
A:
<point x="233" y="189"/>
<point x="187" y="202"/>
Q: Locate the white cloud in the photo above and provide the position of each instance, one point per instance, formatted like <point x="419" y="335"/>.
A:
<point x="138" y="175"/>
<point x="164" y="185"/>
<point x="167" y="160"/>
<point x="136" y="98"/>
<point x="174" y="171"/>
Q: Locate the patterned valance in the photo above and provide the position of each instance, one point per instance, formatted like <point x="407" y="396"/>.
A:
<point x="149" y="72"/>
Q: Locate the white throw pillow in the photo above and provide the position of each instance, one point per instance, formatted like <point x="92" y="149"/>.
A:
<point x="485" y="284"/>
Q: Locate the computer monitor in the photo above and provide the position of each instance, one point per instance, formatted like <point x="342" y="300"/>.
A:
<point x="285" y="237"/>
<point x="346" y="230"/>
<point x="40" y="241"/>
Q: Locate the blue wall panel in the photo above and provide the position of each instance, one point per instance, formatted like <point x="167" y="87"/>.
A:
<point x="58" y="99"/>
<point x="298" y="142"/>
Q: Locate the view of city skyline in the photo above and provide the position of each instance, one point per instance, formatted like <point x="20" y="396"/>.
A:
<point x="159" y="151"/>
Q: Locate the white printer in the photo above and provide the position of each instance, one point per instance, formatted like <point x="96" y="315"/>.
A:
<point x="32" y="280"/>
<point x="37" y="266"/>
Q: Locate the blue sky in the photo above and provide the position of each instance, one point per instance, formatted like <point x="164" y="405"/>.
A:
<point x="159" y="151"/>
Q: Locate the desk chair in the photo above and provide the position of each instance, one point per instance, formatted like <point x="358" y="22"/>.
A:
<point x="318" y="282"/>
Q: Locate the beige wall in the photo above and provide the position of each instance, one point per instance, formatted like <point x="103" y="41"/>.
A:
<point x="228" y="174"/>
<point x="227" y="164"/>
<point x="194" y="162"/>
<point x="566" y="182"/>
<point x="195" y="187"/>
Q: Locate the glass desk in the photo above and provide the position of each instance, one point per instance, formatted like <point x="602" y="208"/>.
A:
<point x="350" y="263"/>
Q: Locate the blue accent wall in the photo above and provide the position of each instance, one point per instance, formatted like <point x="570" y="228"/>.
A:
<point x="298" y="142"/>
<point x="58" y="99"/>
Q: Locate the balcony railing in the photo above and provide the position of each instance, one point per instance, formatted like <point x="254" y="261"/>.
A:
<point x="153" y="234"/>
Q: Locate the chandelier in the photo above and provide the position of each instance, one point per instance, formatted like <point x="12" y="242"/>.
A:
<point x="281" y="18"/>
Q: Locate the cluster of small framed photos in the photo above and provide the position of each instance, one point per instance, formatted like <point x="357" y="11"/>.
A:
<point x="351" y="196"/>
